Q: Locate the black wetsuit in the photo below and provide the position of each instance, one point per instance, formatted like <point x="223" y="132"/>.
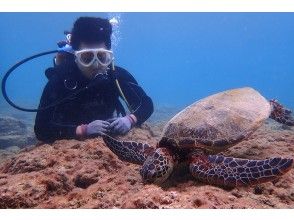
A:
<point x="98" y="102"/>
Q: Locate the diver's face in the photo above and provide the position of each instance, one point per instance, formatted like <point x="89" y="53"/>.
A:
<point x="91" y="71"/>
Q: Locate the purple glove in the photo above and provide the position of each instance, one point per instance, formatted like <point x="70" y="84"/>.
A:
<point x="121" y="125"/>
<point x="97" y="127"/>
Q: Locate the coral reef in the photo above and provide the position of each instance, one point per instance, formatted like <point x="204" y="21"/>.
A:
<point x="86" y="174"/>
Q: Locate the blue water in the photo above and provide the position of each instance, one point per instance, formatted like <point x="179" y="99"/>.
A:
<point x="176" y="57"/>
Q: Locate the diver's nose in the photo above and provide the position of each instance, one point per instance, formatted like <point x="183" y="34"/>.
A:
<point x="95" y="64"/>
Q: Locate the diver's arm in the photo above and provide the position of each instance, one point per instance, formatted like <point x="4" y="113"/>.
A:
<point x="45" y="128"/>
<point x="140" y="102"/>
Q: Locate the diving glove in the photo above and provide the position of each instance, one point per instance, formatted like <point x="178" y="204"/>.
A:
<point x="122" y="125"/>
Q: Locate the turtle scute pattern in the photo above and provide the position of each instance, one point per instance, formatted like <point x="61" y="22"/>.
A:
<point x="218" y="121"/>
<point x="232" y="172"/>
<point x="158" y="166"/>
<point x="205" y="136"/>
<point x="281" y="114"/>
<point x="128" y="150"/>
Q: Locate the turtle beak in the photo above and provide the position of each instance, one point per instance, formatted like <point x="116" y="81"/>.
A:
<point x="147" y="173"/>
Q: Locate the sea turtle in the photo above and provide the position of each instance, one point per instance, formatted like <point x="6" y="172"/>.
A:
<point x="203" y="129"/>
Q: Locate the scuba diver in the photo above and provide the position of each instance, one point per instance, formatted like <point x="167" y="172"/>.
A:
<point x="90" y="87"/>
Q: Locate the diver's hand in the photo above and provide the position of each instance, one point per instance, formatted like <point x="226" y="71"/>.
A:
<point x="97" y="127"/>
<point x="122" y="125"/>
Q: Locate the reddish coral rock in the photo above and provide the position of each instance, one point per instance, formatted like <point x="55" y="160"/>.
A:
<point x="86" y="174"/>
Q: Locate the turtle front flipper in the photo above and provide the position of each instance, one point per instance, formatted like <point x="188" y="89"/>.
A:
<point x="281" y="114"/>
<point x="232" y="172"/>
<point x="129" y="151"/>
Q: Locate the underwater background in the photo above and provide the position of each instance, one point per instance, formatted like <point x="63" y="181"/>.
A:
<point x="177" y="58"/>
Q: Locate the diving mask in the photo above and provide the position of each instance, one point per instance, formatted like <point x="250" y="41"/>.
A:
<point x="87" y="57"/>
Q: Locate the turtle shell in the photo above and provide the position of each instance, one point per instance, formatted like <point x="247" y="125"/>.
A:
<point x="218" y="121"/>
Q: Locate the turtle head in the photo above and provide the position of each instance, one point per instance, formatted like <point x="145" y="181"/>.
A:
<point x="158" y="166"/>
